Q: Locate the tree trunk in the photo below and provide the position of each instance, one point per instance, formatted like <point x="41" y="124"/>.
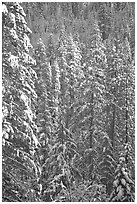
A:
<point x="112" y="127"/>
<point x="91" y="122"/>
<point x="126" y="117"/>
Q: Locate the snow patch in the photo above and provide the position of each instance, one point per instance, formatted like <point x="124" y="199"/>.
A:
<point x="13" y="61"/>
<point x="4" y="8"/>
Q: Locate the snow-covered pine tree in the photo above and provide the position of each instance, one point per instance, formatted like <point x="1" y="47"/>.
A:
<point x="111" y="89"/>
<point x="107" y="164"/>
<point x="128" y="76"/>
<point x="71" y="75"/>
<point x="59" y="164"/>
<point x="45" y="109"/>
<point x="76" y="78"/>
<point x="94" y="93"/>
<point x="48" y="87"/>
<point x="64" y="76"/>
<point x="120" y="96"/>
<point x="123" y="185"/>
<point x="20" y="172"/>
<point x="44" y="92"/>
<point x="55" y="167"/>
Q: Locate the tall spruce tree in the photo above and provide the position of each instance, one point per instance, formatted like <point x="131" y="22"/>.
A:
<point x="123" y="185"/>
<point x="96" y="64"/>
<point x="44" y="109"/>
<point x="20" y="172"/>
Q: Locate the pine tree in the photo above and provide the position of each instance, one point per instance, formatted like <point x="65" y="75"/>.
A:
<point x="124" y="187"/>
<point x="72" y="78"/>
<point x="44" y="90"/>
<point x="107" y="164"/>
<point x="63" y="149"/>
<point x="20" y="172"/>
<point x="95" y="64"/>
<point x="119" y="82"/>
<point x="128" y="104"/>
<point x="48" y="87"/>
<point x="64" y="77"/>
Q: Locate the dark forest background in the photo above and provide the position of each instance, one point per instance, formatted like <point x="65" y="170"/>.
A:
<point x="68" y="101"/>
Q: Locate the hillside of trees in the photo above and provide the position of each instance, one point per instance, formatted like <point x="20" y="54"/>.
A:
<point x="68" y="102"/>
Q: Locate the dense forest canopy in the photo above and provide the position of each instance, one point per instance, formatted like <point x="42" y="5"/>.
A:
<point x="68" y="101"/>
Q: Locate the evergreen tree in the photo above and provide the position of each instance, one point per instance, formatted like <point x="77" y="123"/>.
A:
<point x="118" y="82"/>
<point x="107" y="164"/>
<point x="44" y="90"/>
<point x="20" y="172"/>
<point x="96" y="64"/>
<point x="124" y="187"/>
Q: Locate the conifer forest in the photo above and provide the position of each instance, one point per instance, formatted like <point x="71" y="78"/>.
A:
<point x="68" y="101"/>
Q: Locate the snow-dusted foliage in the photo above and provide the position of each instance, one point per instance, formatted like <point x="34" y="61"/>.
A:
<point x="19" y="98"/>
<point x="124" y="186"/>
<point x="68" y="104"/>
